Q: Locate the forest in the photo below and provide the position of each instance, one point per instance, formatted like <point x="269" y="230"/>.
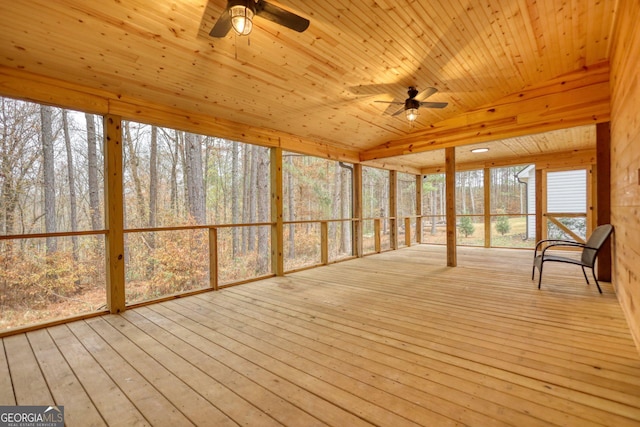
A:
<point x="177" y="187"/>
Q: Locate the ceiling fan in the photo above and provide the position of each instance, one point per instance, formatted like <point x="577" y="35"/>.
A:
<point x="413" y="102"/>
<point x="239" y="15"/>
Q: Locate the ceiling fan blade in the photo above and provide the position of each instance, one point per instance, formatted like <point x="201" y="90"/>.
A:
<point x="222" y="26"/>
<point x="426" y="93"/>
<point x="428" y="104"/>
<point x="390" y="102"/>
<point x="280" y="16"/>
<point x="400" y="111"/>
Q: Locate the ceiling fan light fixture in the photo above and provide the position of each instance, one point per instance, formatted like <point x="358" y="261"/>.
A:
<point x="412" y="114"/>
<point x="241" y="19"/>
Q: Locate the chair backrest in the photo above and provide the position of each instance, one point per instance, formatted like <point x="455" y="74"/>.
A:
<point x="595" y="242"/>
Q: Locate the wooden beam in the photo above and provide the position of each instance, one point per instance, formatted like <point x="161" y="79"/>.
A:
<point x="277" y="229"/>
<point x="541" y="204"/>
<point x="114" y="214"/>
<point x="574" y="99"/>
<point x="419" y="208"/>
<point x="558" y="160"/>
<point x="450" y="180"/>
<point x="603" y="195"/>
<point x="324" y="242"/>
<point x="213" y="258"/>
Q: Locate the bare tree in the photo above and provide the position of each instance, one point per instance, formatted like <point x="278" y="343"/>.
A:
<point x="194" y="178"/>
<point x="73" y="204"/>
<point x="153" y="178"/>
<point x="92" y="159"/>
<point x="264" y="212"/>
<point x="48" y="176"/>
<point x="235" y="208"/>
<point x="133" y="167"/>
<point x="253" y="196"/>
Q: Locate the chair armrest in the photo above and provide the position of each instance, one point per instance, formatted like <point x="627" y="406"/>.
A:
<point x="555" y="242"/>
<point x="565" y="243"/>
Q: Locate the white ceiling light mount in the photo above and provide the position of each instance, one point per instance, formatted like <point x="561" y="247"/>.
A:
<point x="480" y="150"/>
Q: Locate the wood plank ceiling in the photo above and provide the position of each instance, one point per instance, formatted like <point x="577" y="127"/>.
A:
<point x="319" y="85"/>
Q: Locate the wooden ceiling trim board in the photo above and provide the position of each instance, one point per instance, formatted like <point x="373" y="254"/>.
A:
<point x="30" y="87"/>
<point x="542" y="161"/>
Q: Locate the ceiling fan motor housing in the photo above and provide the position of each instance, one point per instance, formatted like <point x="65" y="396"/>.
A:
<point x="411" y="103"/>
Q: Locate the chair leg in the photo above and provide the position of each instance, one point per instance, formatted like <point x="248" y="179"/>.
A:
<point x="596" y="279"/>
<point x="585" y="274"/>
<point x="533" y="271"/>
<point x="540" y="275"/>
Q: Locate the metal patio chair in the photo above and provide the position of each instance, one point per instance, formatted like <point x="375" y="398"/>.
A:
<point x="588" y="257"/>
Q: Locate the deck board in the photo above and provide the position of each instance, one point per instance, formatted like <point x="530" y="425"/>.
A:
<point x="390" y="340"/>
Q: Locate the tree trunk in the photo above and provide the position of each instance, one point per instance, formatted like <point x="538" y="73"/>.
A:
<point x="92" y="160"/>
<point x="246" y="182"/>
<point x="174" y="174"/>
<point x="235" y="208"/>
<point x="153" y="197"/>
<point x="48" y="176"/>
<point x="264" y="212"/>
<point x="72" y="185"/>
<point x="195" y="181"/>
<point x="291" y="208"/>
<point x="137" y="184"/>
<point x="153" y="178"/>
<point x="253" y="197"/>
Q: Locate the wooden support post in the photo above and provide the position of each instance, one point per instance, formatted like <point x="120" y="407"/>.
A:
<point x="450" y="180"/>
<point x="324" y="242"/>
<point x="541" y="203"/>
<point x="213" y="258"/>
<point x="407" y="231"/>
<point x="487" y="207"/>
<point x="419" y="209"/>
<point x="277" y="229"/>
<point x="376" y="235"/>
<point x="603" y="194"/>
<point x="592" y="187"/>
<point x="393" y="209"/>
<point x="114" y="213"/>
<point x="357" y="237"/>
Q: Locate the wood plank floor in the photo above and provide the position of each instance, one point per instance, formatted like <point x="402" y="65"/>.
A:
<point x="394" y="339"/>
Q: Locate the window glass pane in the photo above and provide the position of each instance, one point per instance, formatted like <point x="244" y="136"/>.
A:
<point x="511" y="231"/>
<point x="513" y="190"/>
<point x="470" y="192"/>
<point x="315" y="188"/>
<point x="470" y="230"/>
<point x="38" y="286"/>
<point x="406" y="195"/>
<point x="175" y="178"/>
<point x="51" y="181"/>
<point x="51" y="169"/>
<point x="375" y="193"/>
